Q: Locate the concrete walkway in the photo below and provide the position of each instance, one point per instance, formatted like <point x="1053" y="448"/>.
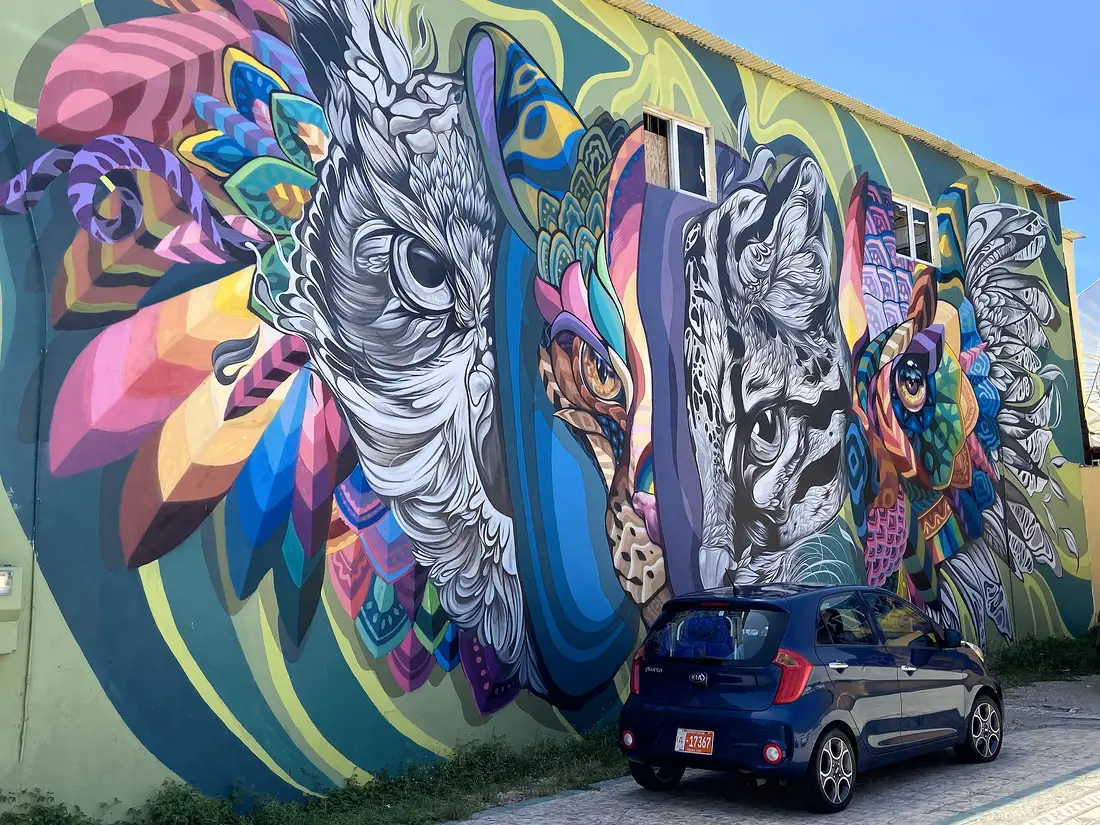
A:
<point x="1073" y="802"/>
<point x="1048" y="774"/>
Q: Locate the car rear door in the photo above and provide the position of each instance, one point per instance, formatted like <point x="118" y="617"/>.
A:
<point x="932" y="678"/>
<point x="864" y="674"/>
<point x="716" y="655"/>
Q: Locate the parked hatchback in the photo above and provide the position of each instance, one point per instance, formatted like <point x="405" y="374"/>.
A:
<point x="803" y="682"/>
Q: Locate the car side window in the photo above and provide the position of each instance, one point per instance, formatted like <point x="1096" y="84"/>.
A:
<point x="901" y="625"/>
<point x="842" y="621"/>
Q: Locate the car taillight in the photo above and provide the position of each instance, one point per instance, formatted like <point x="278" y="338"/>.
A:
<point x="636" y="671"/>
<point x="795" y="673"/>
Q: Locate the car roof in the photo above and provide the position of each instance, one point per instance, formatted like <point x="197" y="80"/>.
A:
<point x="777" y="591"/>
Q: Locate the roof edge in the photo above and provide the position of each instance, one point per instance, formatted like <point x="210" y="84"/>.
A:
<point x="656" y="16"/>
<point x="1070" y="235"/>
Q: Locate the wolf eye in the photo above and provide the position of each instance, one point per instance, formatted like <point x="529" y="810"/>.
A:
<point x="420" y="277"/>
<point x="599" y="376"/>
<point x="766" y="436"/>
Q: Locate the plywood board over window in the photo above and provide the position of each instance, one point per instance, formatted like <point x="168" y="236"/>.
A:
<point x="679" y="154"/>
<point x="656" y="151"/>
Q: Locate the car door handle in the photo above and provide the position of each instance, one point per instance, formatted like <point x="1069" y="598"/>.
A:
<point x="909" y="669"/>
<point x="839" y="667"/>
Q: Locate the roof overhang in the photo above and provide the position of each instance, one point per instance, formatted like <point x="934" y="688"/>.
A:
<point x="657" y="16"/>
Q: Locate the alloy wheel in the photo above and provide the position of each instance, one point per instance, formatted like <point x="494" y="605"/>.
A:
<point x="835" y="770"/>
<point x="985" y="729"/>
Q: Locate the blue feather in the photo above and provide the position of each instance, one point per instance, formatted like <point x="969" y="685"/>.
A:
<point x="259" y="502"/>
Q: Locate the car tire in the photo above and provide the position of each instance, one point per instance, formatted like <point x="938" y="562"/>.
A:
<point x="656" y="778"/>
<point x="830" y="778"/>
<point x="984" y="731"/>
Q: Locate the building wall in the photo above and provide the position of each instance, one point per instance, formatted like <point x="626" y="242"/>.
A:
<point x="1090" y="477"/>
<point x="362" y="399"/>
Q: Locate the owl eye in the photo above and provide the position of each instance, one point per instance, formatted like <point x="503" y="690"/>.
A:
<point x="599" y="375"/>
<point x="420" y="277"/>
<point x="911" y="387"/>
<point x="766" y="436"/>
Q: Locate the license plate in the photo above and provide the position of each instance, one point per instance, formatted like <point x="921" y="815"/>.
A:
<point x="700" y="742"/>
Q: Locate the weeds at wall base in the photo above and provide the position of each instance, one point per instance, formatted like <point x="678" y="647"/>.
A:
<point x="479" y="776"/>
<point x="1044" y="660"/>
<point x="482" y="775"/>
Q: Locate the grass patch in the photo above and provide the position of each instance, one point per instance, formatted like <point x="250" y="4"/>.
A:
<point x="1044" y="660"/>
<point x="479" y="776"/>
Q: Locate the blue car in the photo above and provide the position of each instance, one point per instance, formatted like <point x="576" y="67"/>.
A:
<point x="804" y="683"/>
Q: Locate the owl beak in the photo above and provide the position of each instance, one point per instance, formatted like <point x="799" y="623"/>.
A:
<point x="479" y="383"/>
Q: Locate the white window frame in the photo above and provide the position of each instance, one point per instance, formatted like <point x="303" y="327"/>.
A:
<point x="674" y="122"/>
<point x="933" y="238"/>
<point x="674" y="156"/>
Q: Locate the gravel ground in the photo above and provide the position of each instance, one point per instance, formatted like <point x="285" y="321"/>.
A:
<point x="1054" y="704"/>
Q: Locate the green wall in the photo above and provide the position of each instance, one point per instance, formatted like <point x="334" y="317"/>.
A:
<point x="366" y="398"/>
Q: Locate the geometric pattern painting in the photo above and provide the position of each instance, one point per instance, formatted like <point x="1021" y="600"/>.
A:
<point x="362" y="394"/>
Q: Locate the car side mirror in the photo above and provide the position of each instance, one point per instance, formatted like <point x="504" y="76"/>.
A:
<point x="952" y="639"/>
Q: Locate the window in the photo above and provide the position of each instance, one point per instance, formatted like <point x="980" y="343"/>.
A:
<point x="913" y="231"/>
<point x="841" y="621"/>
<point x="679" y="155"/>
<point x="901" y="625"/>
<point x="726" y="634"/>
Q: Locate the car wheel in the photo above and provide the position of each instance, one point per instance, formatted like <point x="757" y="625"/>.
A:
<point x="656" y="779"/>
<point x="984" y="732"/>
<point x="831" y="777"/>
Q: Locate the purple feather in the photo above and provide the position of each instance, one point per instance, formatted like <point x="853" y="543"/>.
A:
<point x="104" y="155"/>
<point x="20" y="194"/>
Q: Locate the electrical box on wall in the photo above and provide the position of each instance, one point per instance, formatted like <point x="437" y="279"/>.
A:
<point x="11" y="605"/>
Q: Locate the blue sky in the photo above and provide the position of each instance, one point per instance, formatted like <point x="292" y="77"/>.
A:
<point x="1013" y="81"/>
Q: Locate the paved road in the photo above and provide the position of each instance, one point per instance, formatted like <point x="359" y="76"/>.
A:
<point x="1048" y="774"/>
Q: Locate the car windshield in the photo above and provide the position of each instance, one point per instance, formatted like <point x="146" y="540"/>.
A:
<point x="716" y="634"/>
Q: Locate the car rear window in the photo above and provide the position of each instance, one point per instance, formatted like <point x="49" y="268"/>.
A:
<point x="733" y="634"/>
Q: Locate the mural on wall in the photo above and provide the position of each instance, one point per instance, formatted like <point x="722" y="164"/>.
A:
<point x="953" y="405"/>
<point x="362" y="319"/>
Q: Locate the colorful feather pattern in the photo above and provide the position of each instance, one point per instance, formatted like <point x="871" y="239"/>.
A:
<point x="125" y="79"/>
<point x="135" y="374"/>
<point x="385" y="543"/>
<point x="286" y="357"/>
<point x="180" y="475"/>
<point x="259" y="506"/>
<point x="279" y="455"/>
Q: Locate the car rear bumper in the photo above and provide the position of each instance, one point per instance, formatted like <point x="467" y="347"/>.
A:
<point x="739" y="738"/>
